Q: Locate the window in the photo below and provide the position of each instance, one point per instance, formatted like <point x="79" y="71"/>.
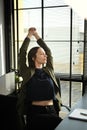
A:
<point x="63" y="31"/>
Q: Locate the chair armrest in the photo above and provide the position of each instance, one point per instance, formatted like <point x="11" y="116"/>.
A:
<point x="67" y="107"/>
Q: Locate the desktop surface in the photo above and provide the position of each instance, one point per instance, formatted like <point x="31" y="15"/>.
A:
<point x="74" y="124"/>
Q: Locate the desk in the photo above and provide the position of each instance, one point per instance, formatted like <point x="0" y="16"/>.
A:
<point x="72" y="124"/>
<point x="8" y="115"/>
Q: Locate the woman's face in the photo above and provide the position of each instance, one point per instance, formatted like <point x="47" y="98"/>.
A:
<point x="41" y="57"/>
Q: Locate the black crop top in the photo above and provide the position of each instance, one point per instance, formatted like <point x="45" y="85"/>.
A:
<point x="40" y="87"/>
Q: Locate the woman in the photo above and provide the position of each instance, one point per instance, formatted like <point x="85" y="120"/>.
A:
<point x="40" y="89"/>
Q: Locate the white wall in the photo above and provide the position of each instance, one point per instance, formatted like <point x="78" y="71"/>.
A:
<point x="2" y="39"/>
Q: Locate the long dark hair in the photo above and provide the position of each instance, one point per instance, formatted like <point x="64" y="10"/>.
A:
<point x="31" y="55"/>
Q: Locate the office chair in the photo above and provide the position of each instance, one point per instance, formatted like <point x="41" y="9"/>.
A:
<point x="63" y="112"/>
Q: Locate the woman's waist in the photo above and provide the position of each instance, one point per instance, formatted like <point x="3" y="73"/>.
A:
<point x="43" y="103"/>
<point x="40" y="108"/>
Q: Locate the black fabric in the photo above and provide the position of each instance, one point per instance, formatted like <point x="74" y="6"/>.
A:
<point x="42" y="118"/>
<point x="40" y="87"/>
<point x="56" y="106"/>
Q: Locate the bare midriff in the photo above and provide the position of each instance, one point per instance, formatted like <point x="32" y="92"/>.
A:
<point x="43" y="103"/>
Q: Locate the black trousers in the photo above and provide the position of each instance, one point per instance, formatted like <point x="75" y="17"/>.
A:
<point x="42" y="118"/>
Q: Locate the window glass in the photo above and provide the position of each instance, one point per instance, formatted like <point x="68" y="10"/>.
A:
<point x="14" y="4"/>
<point x="28" y="3"/>
<point x="15" y="22"/>
<point x="57" y="23"/>
<point x="77" y="57"/>
<point x="77" y="44"/>
<point x="65" y="92"/>
<point x="78" y="27"/>
<point x="27" y="19"/>
<point x="60" y="52"/>
<point x="54" y="2"/>
<point x="16" y="56"/>
<point x="76" y="92"/>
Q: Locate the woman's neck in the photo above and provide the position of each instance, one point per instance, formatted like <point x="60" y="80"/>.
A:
<point x="38" y="66"/>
